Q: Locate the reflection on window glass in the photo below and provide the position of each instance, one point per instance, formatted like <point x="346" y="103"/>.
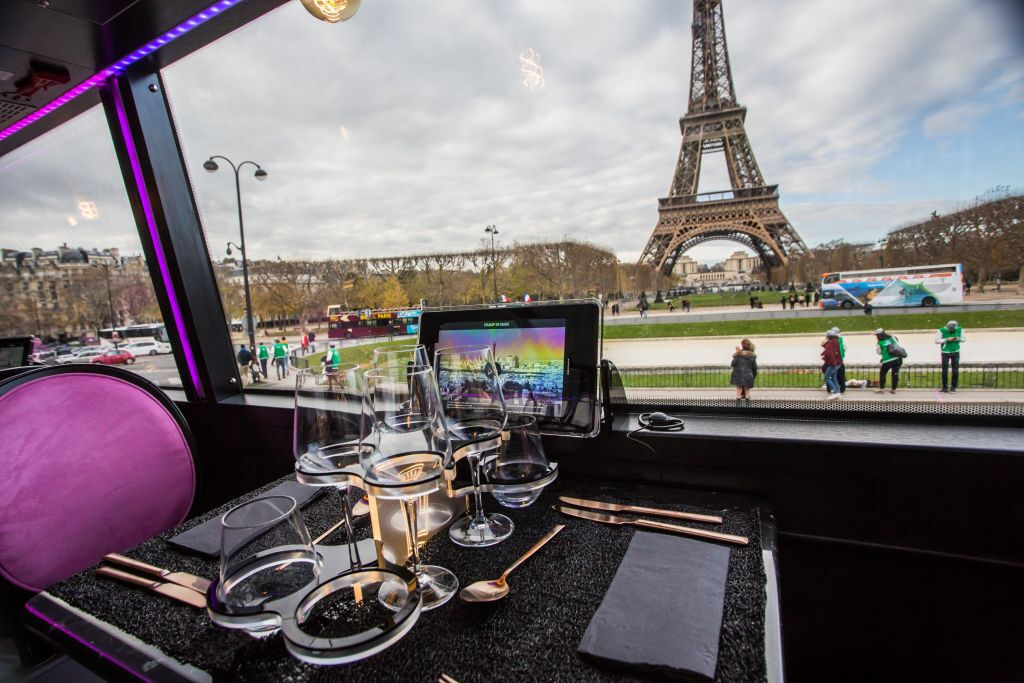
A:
<point x="73" y="274"/>
<point x="844" y="173"/>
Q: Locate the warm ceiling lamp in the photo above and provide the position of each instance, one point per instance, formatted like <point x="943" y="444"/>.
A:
<point x="332" y="11"/>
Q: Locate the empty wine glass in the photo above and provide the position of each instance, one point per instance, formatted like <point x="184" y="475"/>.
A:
<point x="474" y="410"/>
<point x="520" y="459"/>
<point x="415" y="354"/>
<point x="265" y="554"/>
<point x="326" y="434"/>
<point x="405" y="451"/>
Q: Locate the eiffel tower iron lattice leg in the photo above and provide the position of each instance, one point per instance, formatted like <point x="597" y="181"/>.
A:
<point x="747" y="213"/>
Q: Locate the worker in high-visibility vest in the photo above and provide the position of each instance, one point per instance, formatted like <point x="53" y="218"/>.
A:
<point x="949" y="337"/>
<point x="263" y="353"/>
<point x="280" y="355"/>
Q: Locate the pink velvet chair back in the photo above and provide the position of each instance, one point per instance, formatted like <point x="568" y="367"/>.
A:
<point x="94" y="461"/>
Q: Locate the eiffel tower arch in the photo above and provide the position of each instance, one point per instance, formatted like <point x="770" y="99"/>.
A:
<point x="748" y="212"/>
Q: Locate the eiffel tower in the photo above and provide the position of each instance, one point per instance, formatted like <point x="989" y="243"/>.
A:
<point x="748" y="213"/>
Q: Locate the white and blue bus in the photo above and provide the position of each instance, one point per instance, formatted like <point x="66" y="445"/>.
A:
<point x="132" y="333"/>
<point x="917" y="286"/>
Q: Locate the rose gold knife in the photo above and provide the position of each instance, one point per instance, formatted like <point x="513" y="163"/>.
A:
<point x="614" y="507"/>
<point x="648" y="524"/>
<point x="170" y="590"/>
<point x="196" y="583"/>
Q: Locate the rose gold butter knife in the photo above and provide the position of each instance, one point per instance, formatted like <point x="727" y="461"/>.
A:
<point x="170" y="590"/>
<point x="196" y="583"/>
<point x="655" y="512"/>
<point x="648" y="524"/>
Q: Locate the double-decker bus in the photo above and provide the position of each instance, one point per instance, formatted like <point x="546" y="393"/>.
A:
<point x="371" y="323"/>
<point x="916" y="286"/>
<point x="132" y="333"/>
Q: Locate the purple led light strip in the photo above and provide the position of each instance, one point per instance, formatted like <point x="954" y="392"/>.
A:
<point x="147" y="209"/>
<point x="120" y="65"/>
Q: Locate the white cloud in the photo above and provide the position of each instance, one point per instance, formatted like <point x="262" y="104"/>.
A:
<point x="443" y="139"/>
<point x="952" y="119"/>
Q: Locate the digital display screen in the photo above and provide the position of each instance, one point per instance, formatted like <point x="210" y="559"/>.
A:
<point x="530" y="355"/>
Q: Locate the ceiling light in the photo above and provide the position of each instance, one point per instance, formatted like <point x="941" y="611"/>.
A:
<point x="332" y="11"/>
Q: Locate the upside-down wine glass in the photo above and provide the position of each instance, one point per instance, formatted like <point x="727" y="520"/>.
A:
<point x="475" y="412"/>
<point x="404" y="455"/>
<point x="520" y="458"/>
<point x="404" y="354"/>
<point x="326" y="435"/>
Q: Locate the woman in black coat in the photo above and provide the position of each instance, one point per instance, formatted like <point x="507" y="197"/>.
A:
<point x="744" y="369"/>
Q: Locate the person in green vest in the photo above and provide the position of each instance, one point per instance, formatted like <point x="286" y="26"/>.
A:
<point x="841" y="372"/>
<point x="949" y="338"/>
<point x="263" y="353"/>
<point x="280" y="353"/>
<point x="332" y="357"/>
<point x="287" y="353"/>
<point x="890" y="363"/>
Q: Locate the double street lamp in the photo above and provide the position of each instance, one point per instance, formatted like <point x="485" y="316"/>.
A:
<point x="492" y="231"/>
<point x="211" y="166"/>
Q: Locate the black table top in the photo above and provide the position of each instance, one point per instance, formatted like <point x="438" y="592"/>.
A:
<point x="128" y="632"/>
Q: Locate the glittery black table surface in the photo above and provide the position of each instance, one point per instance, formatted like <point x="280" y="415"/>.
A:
<point x="530" y="635"/>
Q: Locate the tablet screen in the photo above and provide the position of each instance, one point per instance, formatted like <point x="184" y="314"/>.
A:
<point x="530" y="354"/>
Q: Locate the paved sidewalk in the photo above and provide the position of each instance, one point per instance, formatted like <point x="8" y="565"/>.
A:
<point x="916" y="395"/>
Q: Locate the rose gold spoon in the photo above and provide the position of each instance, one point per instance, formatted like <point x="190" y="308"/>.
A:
<point x="489" y="591"/>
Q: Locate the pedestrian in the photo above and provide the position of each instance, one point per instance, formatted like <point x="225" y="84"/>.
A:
<point x="832" y="358"/>
<point x="287" y="353"/>
<point x="967" y="287"/>
<point x="817" y="297"/>
<point x="264" y="355"/>
<point x="305" y="343"/>
<point x="312" y="342"/>
<point x="332" y="357"/>
<point x="686" y="305"/>
<point x="892" y="359"/>
<point x="280" y="358"/>
<point x="744" y="369"/>
<point x="753" y="302"/>
<point x="841" y="373"/>
<point x="800" y="299"/>
<point x="244" y="358"/>
<point x="783" y="302"/>
<point x="949" y="338"/>
<point x="671" y="306"/>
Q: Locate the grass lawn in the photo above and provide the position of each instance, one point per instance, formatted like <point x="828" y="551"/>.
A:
<point x="720" y="299"/>
<point x="362" y="354"/>
<point x="751" y="328"/>
<point x="811" y="378"/>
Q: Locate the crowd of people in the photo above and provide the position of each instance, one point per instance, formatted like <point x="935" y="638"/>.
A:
<point x="255" y="366"/>
<point x="891" y="355"/>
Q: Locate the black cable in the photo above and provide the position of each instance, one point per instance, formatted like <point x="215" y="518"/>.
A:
<point x="656" y="422"/>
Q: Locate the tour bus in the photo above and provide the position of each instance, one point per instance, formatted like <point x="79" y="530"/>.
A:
<point x="133" y="333"/>
<point x="938" y="285"/>
<point x="371" y="322"/>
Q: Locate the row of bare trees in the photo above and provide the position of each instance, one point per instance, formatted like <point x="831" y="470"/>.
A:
<point x="75" y="303"/>
<point x="986" y="236"/>
<point x="302" y="289"/>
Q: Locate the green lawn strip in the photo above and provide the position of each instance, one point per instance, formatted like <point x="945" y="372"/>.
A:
<point x="721" y="299"/>
<point x="811" y="378"/>
<point x="362" y="354"/>
<point x="752" y="328"/>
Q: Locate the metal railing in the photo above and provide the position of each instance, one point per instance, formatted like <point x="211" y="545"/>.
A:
<point x="972" y="376"/>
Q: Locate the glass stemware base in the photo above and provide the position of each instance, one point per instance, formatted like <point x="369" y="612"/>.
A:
<point x="437" y="586"/>
<point x="480" y="532"/>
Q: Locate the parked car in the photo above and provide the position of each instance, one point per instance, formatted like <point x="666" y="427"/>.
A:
<point x="44" y="357"/>
<point x="147" y="348"/>
<point x="112" y="357"/>
<point x="84" y="355"/>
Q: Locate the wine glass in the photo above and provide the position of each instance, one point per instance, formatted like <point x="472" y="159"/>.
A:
<point x="475" y="412"/>
<point x="520" y="459"/>
<point x="326" y="434"/>
<point x="265" y="554"/>
<point x="405" y="449"/>
<point x="415" y="354"/>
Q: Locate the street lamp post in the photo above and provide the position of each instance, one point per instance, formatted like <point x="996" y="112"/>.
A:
<point x="110" y="306"/>
<point x="492" y="231"/>
<point x="211" y="166"/>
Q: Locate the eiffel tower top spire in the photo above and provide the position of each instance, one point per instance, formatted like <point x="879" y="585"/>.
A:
<point x="711" y="87"/>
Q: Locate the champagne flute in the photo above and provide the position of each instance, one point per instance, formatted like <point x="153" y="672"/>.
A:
<point x="405" y="449"/>
<point x="475" y="412"/>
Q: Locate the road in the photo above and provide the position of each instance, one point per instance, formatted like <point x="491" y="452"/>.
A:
<point x="981" y="346"/>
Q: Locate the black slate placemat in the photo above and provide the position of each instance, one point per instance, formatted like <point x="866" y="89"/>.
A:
<point x="531" y="635"/>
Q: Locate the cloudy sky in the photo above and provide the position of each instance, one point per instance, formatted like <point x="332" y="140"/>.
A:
<point x="409" y="128"/>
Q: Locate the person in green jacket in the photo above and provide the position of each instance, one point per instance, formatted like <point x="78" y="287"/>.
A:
<point x="280" y="353"/>
<point x="263" y="353"/>
<point x="890" y="363"/>
<point x="332" y="357"/>
<point x="949" y="338"/>
<point x="841" y="372"/>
